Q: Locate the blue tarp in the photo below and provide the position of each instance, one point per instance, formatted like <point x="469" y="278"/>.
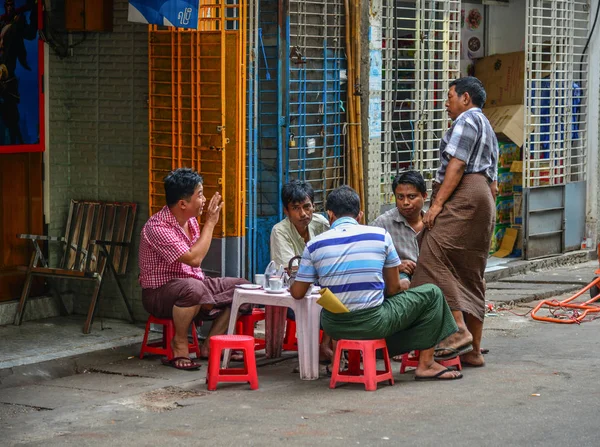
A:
<point x="178" y="13"/>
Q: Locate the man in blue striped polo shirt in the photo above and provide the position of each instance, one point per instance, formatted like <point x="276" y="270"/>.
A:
<point x="359" y="264"/>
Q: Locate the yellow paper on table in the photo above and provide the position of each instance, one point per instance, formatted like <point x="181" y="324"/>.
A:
<point x="331" y="303"/>
<point x="508" y="243"/>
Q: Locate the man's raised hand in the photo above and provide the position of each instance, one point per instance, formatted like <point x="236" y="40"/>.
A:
<point x="214" y="209"/>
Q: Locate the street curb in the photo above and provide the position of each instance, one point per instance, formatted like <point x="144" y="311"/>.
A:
<point x="520" y="267"/>
<point x="34" y="373"/>
<point x="537" y="296"/>
<point x="56" y="368"/>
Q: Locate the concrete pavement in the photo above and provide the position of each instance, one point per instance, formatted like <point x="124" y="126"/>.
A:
<point x="538" y="388"/>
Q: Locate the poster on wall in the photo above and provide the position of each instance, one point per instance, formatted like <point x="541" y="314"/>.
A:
<point x="178" y="13"/>
<point x="21" y="70"/>
<point x="471" y="36"/>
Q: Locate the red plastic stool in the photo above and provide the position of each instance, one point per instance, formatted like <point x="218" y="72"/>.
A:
<point x="245" y="326"/>
<point x="164" y="347"/>
<point x="216" y="374"/>
<point x="412" y="361"/>
<point x="290" y="342"/>
<point x="369" y="375"/>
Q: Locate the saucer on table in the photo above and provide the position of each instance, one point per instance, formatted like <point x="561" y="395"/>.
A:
<point x="276" y="292"/>
<point x="249" y="286"/>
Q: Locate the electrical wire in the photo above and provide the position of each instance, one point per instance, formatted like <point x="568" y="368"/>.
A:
<point x="587" y="43"/>
<point x="54" y="37"/>
<point x="396" y="78"/>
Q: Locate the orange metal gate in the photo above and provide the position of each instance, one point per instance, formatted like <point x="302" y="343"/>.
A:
<point x="197" y="105"/>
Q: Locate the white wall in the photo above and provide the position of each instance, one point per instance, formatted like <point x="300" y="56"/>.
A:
<point x="506" y="28"/>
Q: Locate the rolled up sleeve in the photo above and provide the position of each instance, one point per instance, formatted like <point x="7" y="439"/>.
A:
<point x="462" y="142"/>
<point x="307" y="271"/>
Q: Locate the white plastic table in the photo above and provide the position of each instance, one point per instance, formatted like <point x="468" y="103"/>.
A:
<point x="308" y="314"/>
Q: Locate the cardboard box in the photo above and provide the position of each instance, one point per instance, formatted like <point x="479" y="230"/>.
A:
<point x="503" y="76"/>
<point x="507" y="122"/>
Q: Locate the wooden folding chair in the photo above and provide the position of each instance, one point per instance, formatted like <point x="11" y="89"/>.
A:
<point x="97" y="236"/>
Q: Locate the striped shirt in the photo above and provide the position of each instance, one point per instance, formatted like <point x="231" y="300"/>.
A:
<point x="470" y="139"/>
<point x="349" y="260"/>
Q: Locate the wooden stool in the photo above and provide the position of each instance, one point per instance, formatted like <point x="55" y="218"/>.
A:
<point x="369" y="375"/>
<point x="248" y="373"/>
<point x="164" y="347"/>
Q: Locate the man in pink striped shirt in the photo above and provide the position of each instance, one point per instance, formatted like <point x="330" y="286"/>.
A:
<point x="172" y="248"/>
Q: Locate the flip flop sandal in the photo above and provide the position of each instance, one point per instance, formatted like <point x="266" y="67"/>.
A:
<point x="453" y="352"/>
<point x="173" y="363"/>
<point x="484" y="351"/>
<point x="438" y="376"/>
<point x="398" y="358"/>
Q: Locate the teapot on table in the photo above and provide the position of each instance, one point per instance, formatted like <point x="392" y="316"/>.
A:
<point x="291" y="271"/>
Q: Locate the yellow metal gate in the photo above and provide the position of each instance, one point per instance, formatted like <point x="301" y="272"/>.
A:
<point x="197" y="107"/>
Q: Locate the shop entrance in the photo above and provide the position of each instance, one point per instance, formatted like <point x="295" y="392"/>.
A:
<point x="21" y="211"/>
<point x="555" y="150"/>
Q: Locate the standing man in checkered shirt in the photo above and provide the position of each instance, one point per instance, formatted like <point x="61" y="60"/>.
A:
<point x="459" y="223"/>
<point x="172" y="249"/>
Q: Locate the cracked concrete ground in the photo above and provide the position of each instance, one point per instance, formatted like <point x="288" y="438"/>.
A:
<point x="537" y="389"/>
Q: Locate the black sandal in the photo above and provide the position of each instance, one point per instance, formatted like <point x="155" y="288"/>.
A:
<point x="439" y="375"/>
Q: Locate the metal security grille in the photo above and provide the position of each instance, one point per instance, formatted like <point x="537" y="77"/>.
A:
<point x="197" y="107"/>
<point x="264" y="157"/>
<point x="251" y="137"/>
<point x="421" y="52"/>
<point x="297" y="80"/>
<point x="556" y="92"/>
<point x="316" y="85"/>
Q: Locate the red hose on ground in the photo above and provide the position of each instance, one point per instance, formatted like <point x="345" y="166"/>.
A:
<point x="579" y="311"/>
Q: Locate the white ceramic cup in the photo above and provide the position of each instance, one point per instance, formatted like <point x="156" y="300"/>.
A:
<point x="275" y="283"/>
<point x="259" y="279"/>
